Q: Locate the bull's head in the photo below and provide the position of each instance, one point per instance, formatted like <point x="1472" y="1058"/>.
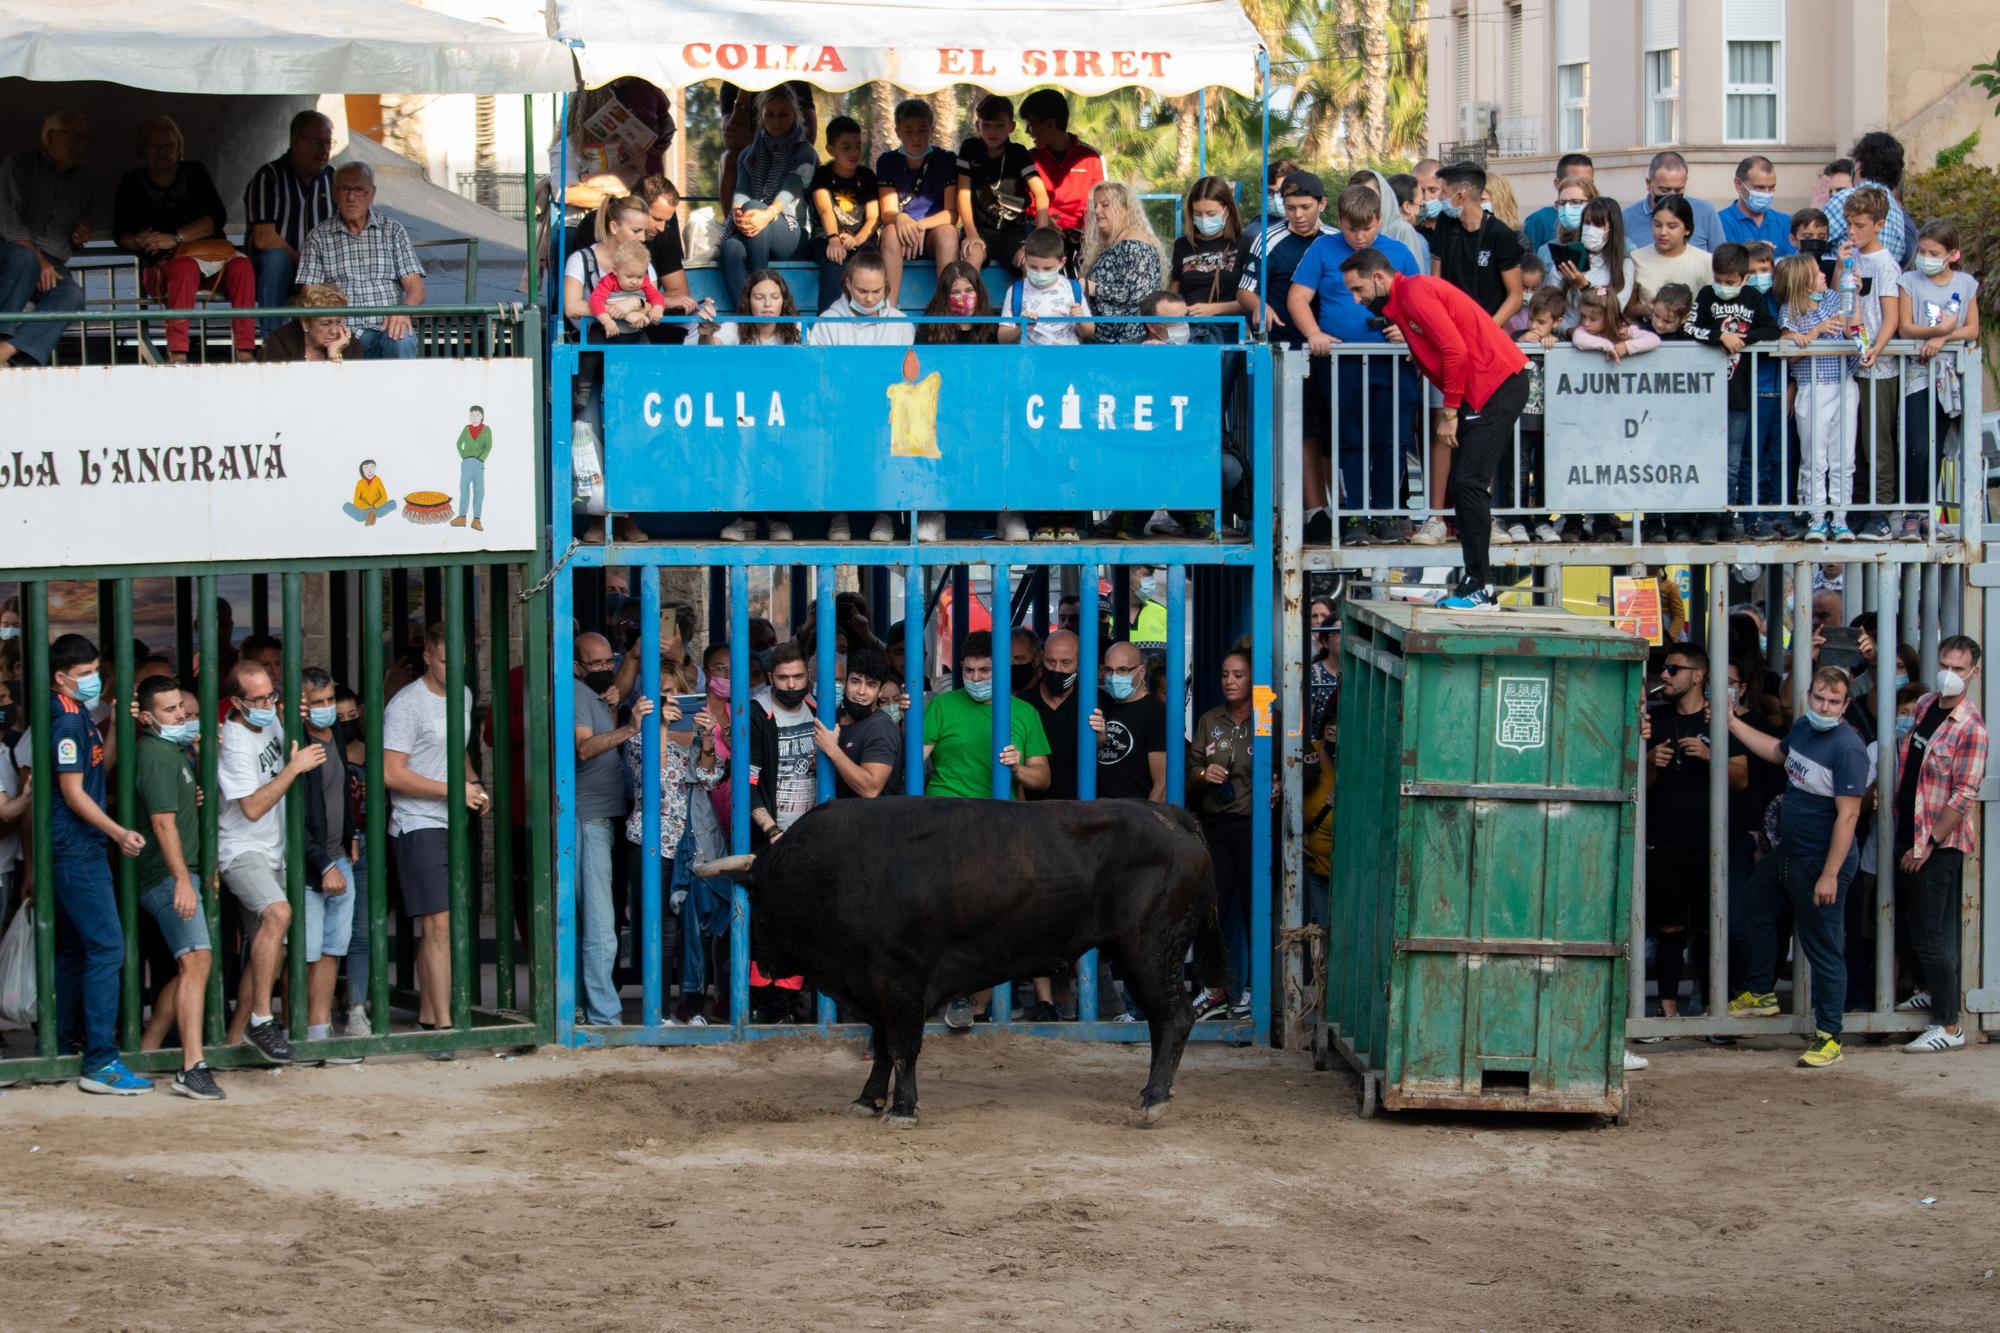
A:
<point x="728" y="867"/>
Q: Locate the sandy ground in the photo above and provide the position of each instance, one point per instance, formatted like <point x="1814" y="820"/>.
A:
<point x="726" y="1189"/>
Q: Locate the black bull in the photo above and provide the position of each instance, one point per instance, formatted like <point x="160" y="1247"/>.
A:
<point x="894" y="906"/>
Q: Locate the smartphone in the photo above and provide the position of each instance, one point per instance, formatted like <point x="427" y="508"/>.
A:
<point x="1560" y="254"/>
<point x="1840" y="646"/>
<point x="690" y="704"/>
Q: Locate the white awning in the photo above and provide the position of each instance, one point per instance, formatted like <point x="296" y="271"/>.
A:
<point x="254" y="46"/>
<point x="1169" y="47"/>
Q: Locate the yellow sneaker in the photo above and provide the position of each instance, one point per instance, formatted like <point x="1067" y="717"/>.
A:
<point x="1823" y="1050"/>
<point x="1747" y="1005"/>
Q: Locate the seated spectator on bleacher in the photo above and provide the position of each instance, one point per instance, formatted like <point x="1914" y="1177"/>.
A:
<point x="1671" y="258"/>
<point x="1208" y="257"/>
<point x="959" y="292"/>
<point x="844" y="197"/>
<point x="916" y="187"/>
<point x="44" y="194"/>
<point x="1120" y="261"/>
<point x="765" y="295"/>
<point x="619" y="220"/>
<point x="169" y="214"/>
<point x="663" y="240"/>
<point x="625" y="305"/>
<point x="999" y="189"/>
<point x="739" y="127"/>
<point x="369" y="257"/>
<point x="285" y="201"/>
<point x="767" y="208"/>
<point x="1045" y="296"/>
<point x="1068" y="167"/>
<point x="311" y="337"/>
<point x="1666" y="178"/>
<point x="862" y="317"/>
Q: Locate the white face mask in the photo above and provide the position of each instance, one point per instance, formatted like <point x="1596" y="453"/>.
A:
<point x="1593" y="238"/>
<point x="1930" y="265"/>
<point x="1949" y="683"/>
<point x="1044" y="277"/>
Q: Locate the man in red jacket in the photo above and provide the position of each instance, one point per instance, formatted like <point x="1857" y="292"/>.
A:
<point x="1484" y="379"/>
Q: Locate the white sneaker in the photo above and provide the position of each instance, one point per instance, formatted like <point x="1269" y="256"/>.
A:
<point x="1935" y="1038"/>
<point x="357" y="1022"/>
<point x="1517" y="533"/>
<point x="1634" y="1063"/>
<point x="742" y="530"/>
<point x="883" y="529"/>
<point x="837" y="529"/>
<point x="1546" y="531"/>
<point x="1501" y="537"/>
<point x="1013" y="528"/>
<point x="1429" y="533"/>
<point x="1920" y="1000"/>
<point x="1163" y="524"/>
<point x="778" y="530"/>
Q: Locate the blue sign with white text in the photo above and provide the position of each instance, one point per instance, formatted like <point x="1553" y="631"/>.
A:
<point x="732" y="429"/>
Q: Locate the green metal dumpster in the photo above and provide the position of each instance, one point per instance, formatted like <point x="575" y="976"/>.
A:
<point x="1484" y="826"/>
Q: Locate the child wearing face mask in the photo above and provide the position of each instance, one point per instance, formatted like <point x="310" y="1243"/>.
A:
<point x="1207" y="260"/>
<point x="1045" y="293"/>
<point x="1938" y="306"/>
<point x="1729" y="314"/>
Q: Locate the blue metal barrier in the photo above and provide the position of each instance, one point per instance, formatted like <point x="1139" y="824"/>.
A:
<point x="841" y="445"/>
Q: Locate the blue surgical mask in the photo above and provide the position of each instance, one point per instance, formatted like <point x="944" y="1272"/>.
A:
<point x="1044" y="277"/>
<point x="1905" y="724"/>
<point x="322" y="717"/>
<point x="9" y="633"/>
<point x="1486" y="205"/>
<point x="1149" y="588"/>
<point x="1928" y="265"/>
<point x="88" y="688"/>
<point x="181" y="733"/>
<point x="1452" y="211"/>
<point x="1277" y="203"/>
<point x="1209" y="224"/>
<point x="1902" y="679"/>
<point x="894" y="712"/>
<point x="261" y="717"/>
<point x="1723" y="293"/>
<point x="1759" y="282"/>
<point x="1569" y="216"/>
<point x="1821" y="721"/>
<point x="1119" y="687"/>
<point x="1433" y="208"/>
<point x="1758" y="201"/>
<point x="980" y="690"/>
<point x="860" y="309"/>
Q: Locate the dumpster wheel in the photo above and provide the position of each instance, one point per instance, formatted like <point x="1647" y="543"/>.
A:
<point x="1368" y="1097"/>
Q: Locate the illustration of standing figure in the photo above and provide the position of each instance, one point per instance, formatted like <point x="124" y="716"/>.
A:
<point x="475" y="442"/>
<point x="371" y="497"/>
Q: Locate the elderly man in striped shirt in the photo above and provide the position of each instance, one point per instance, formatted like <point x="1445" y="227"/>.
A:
<point x="285" y="200"/>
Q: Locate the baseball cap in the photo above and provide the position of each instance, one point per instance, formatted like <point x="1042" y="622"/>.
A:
<point x="1303" y="182"/>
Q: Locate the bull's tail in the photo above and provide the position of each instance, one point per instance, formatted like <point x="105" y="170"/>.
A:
<point x="1210" y="942"/>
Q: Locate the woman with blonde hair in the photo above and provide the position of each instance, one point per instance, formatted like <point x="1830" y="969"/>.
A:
<point x="1505" y="207"/>
<point x="311" y="337"/>
<point x="1120" y="261"/>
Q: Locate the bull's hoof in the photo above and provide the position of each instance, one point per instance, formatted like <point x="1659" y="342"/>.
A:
<point x="1150" y="1115"/>
<point x="894" y="1121"/>
<point x="864" y="1109"/>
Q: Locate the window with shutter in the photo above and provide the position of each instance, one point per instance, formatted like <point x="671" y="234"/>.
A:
<point x="1461" y="47"/>
<point x="1753" y="69"/>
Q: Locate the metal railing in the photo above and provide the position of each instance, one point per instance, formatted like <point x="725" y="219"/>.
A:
<point x="505" y="192"/>
<point x="128" y="335"/>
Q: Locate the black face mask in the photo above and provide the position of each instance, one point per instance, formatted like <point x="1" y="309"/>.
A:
<point x="1026" y="678"/>
<point x="1065" y="682"/>
<point x="597" y="682"/>
<point x="788" y="699"/>
<point x="1815" y="246"/>
<point x="856" y="711"/>
<point x="1377" y="304"/>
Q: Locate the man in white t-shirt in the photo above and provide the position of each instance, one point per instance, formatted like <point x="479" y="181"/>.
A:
<point x="255" y="769"/>
<point x="1045" y="295"/>
<point x="415" y="766"/>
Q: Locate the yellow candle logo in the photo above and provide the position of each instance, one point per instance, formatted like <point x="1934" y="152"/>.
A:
<point x="913" y="406"/>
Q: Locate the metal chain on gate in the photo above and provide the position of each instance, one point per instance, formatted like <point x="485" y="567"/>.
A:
<point x="528" y="594"/>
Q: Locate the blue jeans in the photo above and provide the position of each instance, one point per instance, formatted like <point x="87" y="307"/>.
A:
<point x="597" y="921"/>
<point x="1787" y="877"/>
<point x="20" y="272"/>
<point x="379" y="346"/>
<point x="330" y="917"/>
<point x="277" y="276"/>
<point x="742" y="255"/>
<point x="1767" y="471"/>
<point x="704" y="915"/>
<point x="471" y="487"/>
<point x="90" y="952"/>
<point x="360" y="515"/>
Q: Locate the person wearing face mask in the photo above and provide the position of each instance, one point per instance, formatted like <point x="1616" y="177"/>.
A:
<point x="256" y="769"/>
<point x="1666" y="178"/>
<point x="1828" y="769"/>
<point x="1750" y="217"/>
<point x="866" y="748"/>
<point x="1207" y="259"/>
<point x="1149" y="611"/>
<point x="600" y="805"/>
<point x="169" y="809"/>
<point x="1055" y="700"/>
<point x="1482" y="381"/>
<point x="1731" y="315"/>
<point x="1131" y="727"/>
<point x="1544" y="224"/>
<point x="90" y="941"/>
<point x="1940" y="765"/>
<point x="784" y="779"/>
<point x="330" y="852"/>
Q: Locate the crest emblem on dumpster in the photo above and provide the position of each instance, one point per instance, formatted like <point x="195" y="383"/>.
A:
<point x="1523" y="716"/>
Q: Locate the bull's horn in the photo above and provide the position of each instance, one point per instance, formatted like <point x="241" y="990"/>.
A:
<point x="731" y="866"/>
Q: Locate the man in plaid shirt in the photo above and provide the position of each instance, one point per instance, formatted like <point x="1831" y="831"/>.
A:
<point x="1938" y="772"/>
<point x="369" y="257"/>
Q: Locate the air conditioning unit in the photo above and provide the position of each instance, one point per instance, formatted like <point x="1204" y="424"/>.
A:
<point x="1476" y="120"/>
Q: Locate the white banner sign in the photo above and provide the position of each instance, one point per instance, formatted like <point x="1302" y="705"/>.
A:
<point x="1650" y="432"/>
<point x="141" y="465"/>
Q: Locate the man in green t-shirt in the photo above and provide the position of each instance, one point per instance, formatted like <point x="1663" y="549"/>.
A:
<point x="169" y="807"/>
<point x="958" y="732"/>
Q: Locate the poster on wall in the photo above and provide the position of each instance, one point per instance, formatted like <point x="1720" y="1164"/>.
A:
<point x="133" y="465"/>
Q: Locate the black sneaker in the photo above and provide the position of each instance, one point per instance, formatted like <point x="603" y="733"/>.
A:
<point x="1353" y="532"/>
<point x="269" y="1040"/>
<point x="1043" y="1012"/>
<point x="1207" y="1007"/>
<point x="198" y="1083"/>
<point x="1708" y="530"/>
<point x="1387" y="532"/>
<point x="1319" y="529"/>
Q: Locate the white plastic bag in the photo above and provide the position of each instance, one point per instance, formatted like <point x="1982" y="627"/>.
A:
<point x="17" y="970"/>
<point x="587" y="468"/>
